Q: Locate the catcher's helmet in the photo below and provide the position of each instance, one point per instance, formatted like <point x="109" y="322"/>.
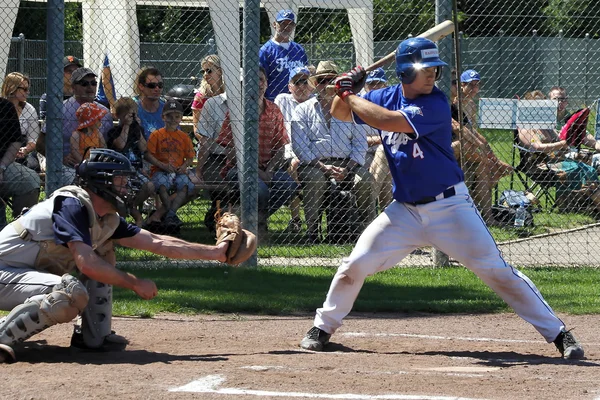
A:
<point x="414" y="54"/>
<point x="97" y="174"/>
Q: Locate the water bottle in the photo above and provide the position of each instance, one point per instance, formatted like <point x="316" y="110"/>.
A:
<point x="520" y="215"/>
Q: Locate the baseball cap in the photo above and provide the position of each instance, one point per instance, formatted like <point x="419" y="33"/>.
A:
<point x="71" y="60"/>
<point x="469" y="76"/>
<point x="285" y="15"/>
<point x="377" y="75"/>
<point x="298" y="71"/>
<point x="88" y="113"/>
<point x="81" y="73"/>
<point x="172" y="106"/>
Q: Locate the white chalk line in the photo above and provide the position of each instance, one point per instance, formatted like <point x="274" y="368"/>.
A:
<point x="434" y="337"/>
<point x="211" y="383"/>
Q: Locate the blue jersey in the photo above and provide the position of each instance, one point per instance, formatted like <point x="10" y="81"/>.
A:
<point x="422" y="163"/>
<point x="278" y="62"/>
<point x="150" y="121"/>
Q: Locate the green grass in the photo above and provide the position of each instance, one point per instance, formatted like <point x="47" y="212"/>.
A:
<point x="272" y="290"/>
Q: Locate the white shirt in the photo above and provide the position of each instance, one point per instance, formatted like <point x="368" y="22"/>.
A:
<point x="30" y="126"/>
<point x="312" y="139"/>
<point x="212" y="117"/>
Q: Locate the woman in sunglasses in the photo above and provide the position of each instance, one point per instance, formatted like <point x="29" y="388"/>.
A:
<point x="148" y="88"/>
<point x="211" y="85"/>
<point x="15" y="88"/>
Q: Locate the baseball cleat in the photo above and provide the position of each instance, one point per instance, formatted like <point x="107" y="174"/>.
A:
<point x="315" y="339"/>
<point x="112" y="342"/>
<point x="568" y="346"/>
<point x="7" y="355"/>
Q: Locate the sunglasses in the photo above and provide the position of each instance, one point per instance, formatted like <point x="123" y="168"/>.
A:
<point x="207" y="71"/>
<point x="562" y="99"/>
<point x="154" y="85"/>
<point x="87" y="83"/>
<point x="25" y="89"/>
<point x="301" y="82"/>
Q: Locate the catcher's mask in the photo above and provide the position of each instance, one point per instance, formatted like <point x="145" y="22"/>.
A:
<point x="109" y="174"/>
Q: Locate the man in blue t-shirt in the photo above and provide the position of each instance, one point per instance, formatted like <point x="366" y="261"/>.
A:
<point x="280" y="55"/>
<point x="149" y="88"/>
<point x="74" y="231"/>
<point x="431" y="206"/>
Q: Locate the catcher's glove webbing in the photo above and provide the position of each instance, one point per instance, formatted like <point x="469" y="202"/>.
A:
<point x="242" y="243"/>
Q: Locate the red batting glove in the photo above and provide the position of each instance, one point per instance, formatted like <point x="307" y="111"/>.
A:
<point x="359" y="77"/>
<point x="344" y="86"/>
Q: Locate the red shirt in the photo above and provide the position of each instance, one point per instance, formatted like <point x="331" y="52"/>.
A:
<point x="272" y="135"/>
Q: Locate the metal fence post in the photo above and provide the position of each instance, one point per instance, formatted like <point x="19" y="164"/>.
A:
<point x="54" y="137"/>
<point x="249" y="174"/>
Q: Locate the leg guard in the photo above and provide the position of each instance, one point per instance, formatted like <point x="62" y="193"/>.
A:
<point x="96" y="318"/>
<point x="66" y="300"/>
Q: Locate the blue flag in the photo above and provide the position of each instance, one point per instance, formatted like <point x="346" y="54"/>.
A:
<point x="106" y="91"/>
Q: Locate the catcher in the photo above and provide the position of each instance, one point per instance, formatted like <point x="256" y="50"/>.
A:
<point x="74" y="230"/>
<point x="560" y="154"/>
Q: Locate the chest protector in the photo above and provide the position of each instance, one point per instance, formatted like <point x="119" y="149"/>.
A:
<point x="33" y="245"/>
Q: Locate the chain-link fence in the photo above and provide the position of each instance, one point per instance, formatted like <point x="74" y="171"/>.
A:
<point x="306" y="183"/>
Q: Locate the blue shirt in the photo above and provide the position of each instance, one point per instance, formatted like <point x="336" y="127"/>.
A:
<point x="150" y="121"/>
<point x="71" y="223"/>
<point x="422" y="163"/>
<point x="277" y="60"/>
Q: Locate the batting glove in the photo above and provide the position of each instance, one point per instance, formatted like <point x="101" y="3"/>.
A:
<point x="359" y="77"/>
<point x="344" y="86"/>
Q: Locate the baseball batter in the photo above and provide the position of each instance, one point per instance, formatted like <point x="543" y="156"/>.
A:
<point x="431" y="206"/>
<point x="74" y="230"/>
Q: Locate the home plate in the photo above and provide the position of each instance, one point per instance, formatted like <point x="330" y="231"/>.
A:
<point x="213" y="384"/>
<point x="459" y="369"/>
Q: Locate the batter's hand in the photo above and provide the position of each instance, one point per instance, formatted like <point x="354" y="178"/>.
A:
<point x="343" y="86"/>
<point x="359" y="77"/>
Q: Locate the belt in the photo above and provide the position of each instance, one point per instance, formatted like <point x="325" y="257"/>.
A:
<point x="451" y="191"/>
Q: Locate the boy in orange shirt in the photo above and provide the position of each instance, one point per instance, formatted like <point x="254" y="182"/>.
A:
<point x="87" y="135"/>
<point x="171" y="152"/>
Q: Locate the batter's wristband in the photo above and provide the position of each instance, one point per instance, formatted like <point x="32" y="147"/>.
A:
<point x="346" y="94"/>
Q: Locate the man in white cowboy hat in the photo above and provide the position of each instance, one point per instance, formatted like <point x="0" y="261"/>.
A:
<point x="280" y="55"/>
<point x="329" y="149"/>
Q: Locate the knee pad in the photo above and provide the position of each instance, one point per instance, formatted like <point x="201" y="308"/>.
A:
<point x="97" y="316"/>
<point x="40" y="312"/>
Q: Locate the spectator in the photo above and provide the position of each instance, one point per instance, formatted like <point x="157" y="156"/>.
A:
<point x="301" y="89"/>
<point x="482" y="168"/>
<point x="577" y="181"/>
<point x="559" y="94"/>
<point x="70" y="64"/>
<point x="83" y="83"/>
<point x="275" y="186"/>
<point x="280" y="54"/>
<point x="211" y="85"/>
<point x="171" y="152"/>
<point x="148" y="88"/>
<point x="128" y="138"/>
<point x="15" y="88"/>
<point x="87" y="135"/>
<point x="470" y="81"/>
<point x="329" y="149"/>
<point x="375" y="160"/>
<point x="17" y="182"/>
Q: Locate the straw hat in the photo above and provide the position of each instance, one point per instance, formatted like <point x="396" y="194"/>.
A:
<point x="326" y="69"/>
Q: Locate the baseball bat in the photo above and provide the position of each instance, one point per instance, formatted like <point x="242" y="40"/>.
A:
<point x="434" y="34"/>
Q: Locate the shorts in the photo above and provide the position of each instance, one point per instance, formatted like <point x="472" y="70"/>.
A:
<point x="172" y="181"/>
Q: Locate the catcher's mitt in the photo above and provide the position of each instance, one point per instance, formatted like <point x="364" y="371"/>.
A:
<point x="574" y="131"/>
<point x="242" y="243"/>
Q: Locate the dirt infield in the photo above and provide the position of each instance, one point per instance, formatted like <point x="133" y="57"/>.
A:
<point x="372" y="356"/>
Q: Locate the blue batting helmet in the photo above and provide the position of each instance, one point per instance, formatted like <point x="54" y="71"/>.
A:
<point x="414" y="54"/>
